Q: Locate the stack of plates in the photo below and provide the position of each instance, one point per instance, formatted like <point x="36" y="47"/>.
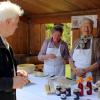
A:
<point x="29" y="68"/>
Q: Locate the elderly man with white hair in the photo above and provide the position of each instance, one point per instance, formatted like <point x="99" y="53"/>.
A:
<point x="86" y="52"/>
<point x="9" y="79"/>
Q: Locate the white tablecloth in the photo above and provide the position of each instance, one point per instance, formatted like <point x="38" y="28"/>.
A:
<point x="37" y="92"/>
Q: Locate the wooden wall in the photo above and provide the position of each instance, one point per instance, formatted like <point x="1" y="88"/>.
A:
<point x="19" y="40"/>
<point x="28" y="38"/>
<point x="37" y="36"/>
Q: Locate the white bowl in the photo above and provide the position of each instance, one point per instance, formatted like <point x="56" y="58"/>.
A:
<point x="29" y="68"/>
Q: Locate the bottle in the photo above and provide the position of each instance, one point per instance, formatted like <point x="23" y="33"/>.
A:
<point x="76" y="92"/>
<point x="89" y="85"/>
<point x="63" y="94"/>
<point x="58" y="90"/>
<point x="68" y="91"/>
<point x="80" y="86"/>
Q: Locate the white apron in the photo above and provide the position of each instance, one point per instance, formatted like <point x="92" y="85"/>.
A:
<point x="54" y="66"/>
<point x="82" y="58"/>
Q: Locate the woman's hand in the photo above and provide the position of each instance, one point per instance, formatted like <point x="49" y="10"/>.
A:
<point x="51" y="56"/>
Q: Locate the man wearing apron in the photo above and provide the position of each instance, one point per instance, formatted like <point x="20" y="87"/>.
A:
<point x="54" y="53"/>
<point x="82" y="57"/>
<point x="85" y="52"/>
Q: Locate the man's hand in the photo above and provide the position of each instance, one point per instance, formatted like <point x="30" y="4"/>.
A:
<point x="19" y="82"/>
<point x="80" y="72"/>
<point x="22" y="73"/>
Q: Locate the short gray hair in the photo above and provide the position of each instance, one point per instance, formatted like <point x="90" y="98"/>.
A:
<point x="58" y="28"/>
<point x="9" y="10"/>
<point x="86" y="19"/>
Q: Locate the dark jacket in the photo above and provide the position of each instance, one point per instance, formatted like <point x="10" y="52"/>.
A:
<point x="6" y="73"/>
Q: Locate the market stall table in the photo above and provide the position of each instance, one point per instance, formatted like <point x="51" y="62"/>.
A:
<point x="36" y="91"/>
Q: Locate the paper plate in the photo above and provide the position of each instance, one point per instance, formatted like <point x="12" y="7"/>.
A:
<point x="38" y="74"/>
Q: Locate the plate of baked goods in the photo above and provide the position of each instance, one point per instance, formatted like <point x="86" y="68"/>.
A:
<point x="29" y="68"/>
<point x="38" y="74"/>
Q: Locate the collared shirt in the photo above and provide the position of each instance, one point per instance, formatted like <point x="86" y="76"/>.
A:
<point x="5" y="42"/>
<point x="95" y="48"/>
<point x="86" y="45"/>
<point x="63" y="48"/>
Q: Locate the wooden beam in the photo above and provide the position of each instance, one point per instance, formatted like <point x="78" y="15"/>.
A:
<point x="71" y="13"/>
<point x="43" y="20"/>
<point x="62" y="17"/>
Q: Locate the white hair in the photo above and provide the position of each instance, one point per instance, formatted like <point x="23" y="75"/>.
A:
<point x="9" y="10"/>
<point x="86" y="19"/>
